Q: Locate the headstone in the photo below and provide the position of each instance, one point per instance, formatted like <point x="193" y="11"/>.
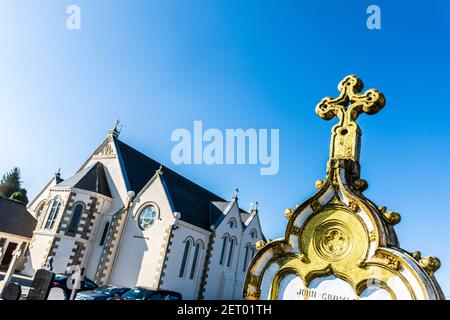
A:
<point x="12" y="291"/>
<point x="40" y="287"/>
<point x="18" y="252"/>
<point x="338" y="244"/>
<point x="48" y="264"/>
<point x="75" y="281"/>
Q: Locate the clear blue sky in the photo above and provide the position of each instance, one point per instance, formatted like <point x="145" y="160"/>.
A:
<point x="160" y="65"/>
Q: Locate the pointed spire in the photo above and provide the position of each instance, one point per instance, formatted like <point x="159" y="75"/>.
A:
<point x="115" y="131"/>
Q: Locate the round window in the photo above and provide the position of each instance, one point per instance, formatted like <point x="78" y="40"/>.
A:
<point x="147" y="217"/>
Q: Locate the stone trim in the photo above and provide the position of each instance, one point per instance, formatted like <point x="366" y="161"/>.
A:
<point x="52" y="248"/>
<point x="108" y="248"/>
<point x="204" y="279"/>
<point x="164" y="256"/>
<point x="88" y="218"/>
<point x="77" y="254"/>
<point x="67" y="213"/>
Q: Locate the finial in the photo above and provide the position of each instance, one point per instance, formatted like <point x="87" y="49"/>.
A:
<point x="160" y="169"/>
<point x="346" y="135"/>
<point x="254" y="207"/>
<point x="236" y="191"/>
<point x="58" y="175"/>
<point x="115" y="131"/>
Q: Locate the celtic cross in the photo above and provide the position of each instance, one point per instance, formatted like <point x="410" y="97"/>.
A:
<point x="346" y="135"/>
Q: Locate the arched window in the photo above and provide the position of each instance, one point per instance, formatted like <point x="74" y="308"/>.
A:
<point x="195" y="260"/>
<point x="233" y="241"/>
<point x="40" y="209"/>
<point x="52" y="213"/>
<point x="187" y="248"/>
<point x="224" y="249"/>
<point x="247" y="258"/>
<point x="253" y="233"/>
<point x="104" y="234"/>
<point x="75" y="219"/>
<point x="232" y="223"/>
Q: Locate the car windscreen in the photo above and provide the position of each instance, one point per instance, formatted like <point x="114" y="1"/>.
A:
<point x="104" y="290"/>
<point x="60" y="277"/>
<point x="137" y="294"/>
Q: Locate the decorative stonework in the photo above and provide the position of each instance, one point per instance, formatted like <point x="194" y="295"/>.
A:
<point x="346" y="136"/>
<point x="77" y="254"/>
<point x="338" y="244"/>
<point x="106" y="148"/>
<point x="333" y="240"/>
<point x="88" y="218"/>
<point x="206" y="268"/>
<point x="52" y="248"/>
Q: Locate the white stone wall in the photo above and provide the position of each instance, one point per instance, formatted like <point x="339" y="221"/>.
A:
<point x="140" y="253"/>
<point x="220" y="283"/>
<point x="188" y="287"/>
<point x="42" y="239"/>
<point x="152" y="257"/>
<point x="95" y="250"/>
<point x="37" y="253"/>
<point x="250" y="236"/>
<point x="223" y="281"/>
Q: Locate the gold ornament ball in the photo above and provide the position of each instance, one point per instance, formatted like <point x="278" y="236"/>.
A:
<point x="288" y="212"/>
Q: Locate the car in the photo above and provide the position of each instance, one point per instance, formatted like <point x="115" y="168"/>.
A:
<point x="101" y="293"/>
<point x="142" y="293"/>
<point x="60" y="281"/>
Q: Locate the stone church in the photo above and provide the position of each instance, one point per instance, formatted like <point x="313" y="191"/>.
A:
<point x="127" y="220"/>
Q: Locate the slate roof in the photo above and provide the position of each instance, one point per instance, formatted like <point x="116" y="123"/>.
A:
<point x="188" y="198"/>
<point x="92" y="178"/>
<point x="15" y="218"/>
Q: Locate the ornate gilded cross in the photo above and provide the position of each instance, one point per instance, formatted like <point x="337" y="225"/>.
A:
<point x="346" y="135"/>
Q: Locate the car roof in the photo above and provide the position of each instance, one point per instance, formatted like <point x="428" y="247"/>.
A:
<point x="153" y="290"/>
<point x="145" y="288"/>
<point x="112" y="287"/>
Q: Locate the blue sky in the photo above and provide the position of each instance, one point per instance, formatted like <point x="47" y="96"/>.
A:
<point x="160" y="65"/>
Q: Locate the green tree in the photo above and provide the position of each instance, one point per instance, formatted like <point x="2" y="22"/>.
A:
<point x="11" y="186"/>
<point x="20" y="196"/>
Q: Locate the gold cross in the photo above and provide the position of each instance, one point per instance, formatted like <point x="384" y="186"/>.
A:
<point x="346" y="135"/>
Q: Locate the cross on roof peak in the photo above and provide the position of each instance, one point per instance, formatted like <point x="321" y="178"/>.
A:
<point x="115" y="131"/>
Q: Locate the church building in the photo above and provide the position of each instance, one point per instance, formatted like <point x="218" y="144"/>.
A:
<point x="127" y="220"/>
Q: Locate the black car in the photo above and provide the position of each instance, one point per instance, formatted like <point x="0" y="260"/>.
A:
<point x="60" y="281"/>
<point x="141" y="293"/>
<point x="101" y="293"/>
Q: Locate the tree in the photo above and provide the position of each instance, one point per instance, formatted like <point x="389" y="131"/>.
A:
<point x="11" y="186"/>
<point x="20" y="196"/>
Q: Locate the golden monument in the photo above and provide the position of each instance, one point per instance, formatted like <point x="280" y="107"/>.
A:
<point x="338" y="244"/>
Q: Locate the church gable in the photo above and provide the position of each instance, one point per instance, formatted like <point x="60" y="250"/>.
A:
<point x="145" y="236"/>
